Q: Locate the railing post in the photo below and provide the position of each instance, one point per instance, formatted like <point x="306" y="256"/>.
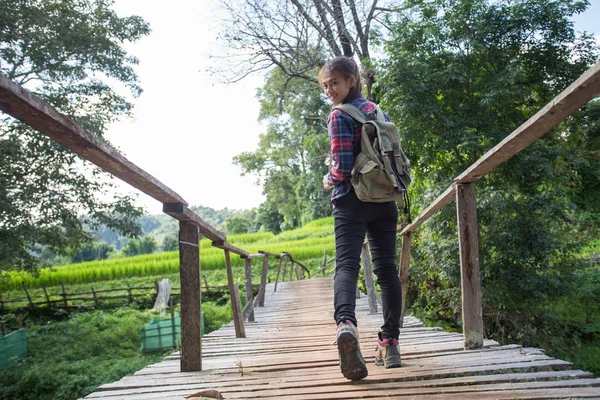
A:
<point x="278" y="271"/>
<point x="249" y="294"/>
<point x="191" y="298"/>
<point x="466" y="210"/>
<point x="263" y="281"/>
<point x="284" y="269"/>
<point x="403" y="272"/>
<point x="236" y="307"/>
<point x="366" y="260"/>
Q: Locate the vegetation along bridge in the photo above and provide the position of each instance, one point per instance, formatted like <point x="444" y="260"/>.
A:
<point x="286" y="348"/>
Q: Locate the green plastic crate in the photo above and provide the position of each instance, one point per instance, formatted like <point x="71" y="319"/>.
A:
<point x="162" y="334"/>
<point x="13" y="346"/>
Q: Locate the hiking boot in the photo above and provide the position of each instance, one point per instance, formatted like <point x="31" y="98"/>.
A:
<point x="387" y="353"/>
<point x="352" y="363"/>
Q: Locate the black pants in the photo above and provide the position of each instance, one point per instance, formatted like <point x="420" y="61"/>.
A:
<point x="352" y="219"/>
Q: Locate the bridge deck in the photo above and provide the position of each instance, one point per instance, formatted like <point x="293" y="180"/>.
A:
<point x="289" y="353"/>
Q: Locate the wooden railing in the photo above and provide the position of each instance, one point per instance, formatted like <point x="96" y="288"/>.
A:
<point x="66" y="299"/>
<point x="31" y="110"/>
<point x="578" y="94"/>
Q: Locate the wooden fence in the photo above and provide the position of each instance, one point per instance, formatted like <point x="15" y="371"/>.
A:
<point x="578" y="94"/>
<point x="64" y="299"/>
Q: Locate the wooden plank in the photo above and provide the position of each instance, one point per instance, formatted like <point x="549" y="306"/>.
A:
<point x="578" y="94"/>
<point x="403" y="272"/>
<point x="231" y="248"/>
<point x="278" y="272"/>
<point x="289" y="354"/>
<point x="181" y="212"/>
<point x="368" y="272"/>
<point x="269" y="254"/>
<point x="468" y="243"/>
<point x="236" y="308"/>
<point x="249" y="294"/>
<point x="191" y="301"/>
<point x="434" y="207"/>
<point x="263" y="282"/>
<point x="239" y="312"/>
<point x="16" y="101"/>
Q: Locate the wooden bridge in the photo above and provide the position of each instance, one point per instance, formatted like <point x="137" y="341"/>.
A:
<point x="288" y="352"/>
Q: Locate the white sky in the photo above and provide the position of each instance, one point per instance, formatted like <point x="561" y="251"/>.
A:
<point x="187" y="126"/>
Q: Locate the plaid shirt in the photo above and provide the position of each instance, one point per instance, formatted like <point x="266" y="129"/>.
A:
<point x="344" y="134"/>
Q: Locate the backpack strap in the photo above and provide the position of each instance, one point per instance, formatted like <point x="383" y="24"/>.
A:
<point x="352" y="111"/>
<point x="357" y="114"/>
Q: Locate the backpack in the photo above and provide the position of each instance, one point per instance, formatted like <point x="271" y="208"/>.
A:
<point x="381" y="171"/>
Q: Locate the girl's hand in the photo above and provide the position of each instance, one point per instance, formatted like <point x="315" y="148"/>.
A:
<point x="326" y="184"/>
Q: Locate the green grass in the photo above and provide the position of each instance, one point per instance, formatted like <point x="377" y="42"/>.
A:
<point x="303" y="244"/>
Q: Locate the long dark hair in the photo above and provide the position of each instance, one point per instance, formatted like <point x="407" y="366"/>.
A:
<point x="344" y="67"/>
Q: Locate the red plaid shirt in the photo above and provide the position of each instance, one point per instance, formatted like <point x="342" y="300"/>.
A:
<point x="344" y="134"/>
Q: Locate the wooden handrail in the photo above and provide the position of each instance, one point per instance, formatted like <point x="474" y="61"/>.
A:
<point x="30" y="109"/>
<point x="578" y="94"/>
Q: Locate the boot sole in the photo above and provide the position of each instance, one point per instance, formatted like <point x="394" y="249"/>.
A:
<point x="392" y="362"/>
<point x="351" y="362"/>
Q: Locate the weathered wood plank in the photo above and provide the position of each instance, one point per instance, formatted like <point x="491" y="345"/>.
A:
<point x="191" y="302"/>
<point x="181" y="212"/>
<point x="30" y="109"/>
<point x="369" y="283"/>
<point x="236" y="308"/>
<point x="263" y="281"/>
<point x="434" y="207"/>
<point x="249" y="294"/>
<point x="403" y="272"/>
<point x="231" y="248"/>
<point x="284" y="359"/>
<point x="468" y="244"/>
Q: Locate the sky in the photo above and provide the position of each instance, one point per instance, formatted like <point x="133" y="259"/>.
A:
<point x="186" y="125"/>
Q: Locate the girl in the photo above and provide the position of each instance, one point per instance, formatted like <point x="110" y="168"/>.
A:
<point x="340" y="80"/>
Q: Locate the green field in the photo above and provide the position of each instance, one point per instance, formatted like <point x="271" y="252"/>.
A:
<point x="304" y="244"/>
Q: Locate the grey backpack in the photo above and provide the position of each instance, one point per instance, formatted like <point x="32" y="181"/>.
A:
<point x="381" y="171"/>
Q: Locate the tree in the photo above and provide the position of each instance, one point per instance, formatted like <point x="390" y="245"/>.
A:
<point x="237" y="225"/>
<point x="134" y="247"/>
<point x="65" y="52"/>
<point x="170" y="243"/>
<point x="291" y="158"/>
<point x="297" y="36"/>
<point x="91" y="252"/>
<point x="459" y="76"/>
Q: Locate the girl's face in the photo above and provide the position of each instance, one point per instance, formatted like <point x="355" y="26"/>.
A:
<point x="336" y="88"/>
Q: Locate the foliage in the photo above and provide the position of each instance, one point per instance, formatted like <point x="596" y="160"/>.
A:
<point x="68" y="358"/>
<point x="134" y="247"/>
<point x="91" y="252"/>
<point x="170" y="243"/>
<point x="237" y="225"/>
<point x="291" y="155"/>
<point x="458" y="77"/>
<point x="65" y="52"/>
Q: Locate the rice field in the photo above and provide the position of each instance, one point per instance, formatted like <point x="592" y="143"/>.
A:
<point x="304" y="244"/>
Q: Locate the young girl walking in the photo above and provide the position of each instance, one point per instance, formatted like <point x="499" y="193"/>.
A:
<point x="353" y="218"/>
